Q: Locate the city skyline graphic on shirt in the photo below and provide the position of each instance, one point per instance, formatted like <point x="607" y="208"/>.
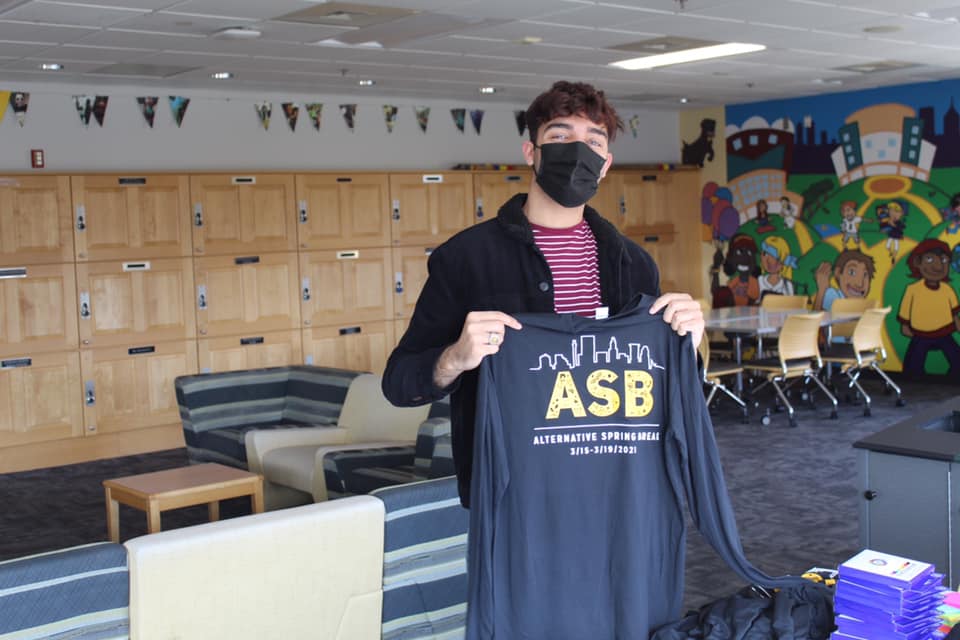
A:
<point x="583" y="350"/>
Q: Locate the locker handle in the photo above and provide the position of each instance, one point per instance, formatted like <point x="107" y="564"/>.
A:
<point x="349" y="330"/>
<point x="244" y="180"/>
<point x="16" y="272"/>
<point x="479" y="207"/>
<point x="398" y="279"/>
<point x="254" y="340"/>
<point x="81" y="217"/>
<point x="136" y="266"/>
<point x="303" y="212"/>
<point x="428" y="251"/>
<point x="432" y="178"/>
<point x="129" y="181"/>
<point x="202" y="296"/>
<point x="512" y="178"/>
<point x="198" y="215"/>
<point x="16" y="363"/>
<point x="135" y="351"/>
<point x="396" y="209"/>
<point x="305" y="286"/>
<point x="344" y="179"/>
<point x="90" y="395"/>
<point x="247" y="260"/>
<point x="623" y="206"/>
<point x="651" y="238"/>
<point x="649" y="178"/>
<point x="351" y="254"/>
<point x="84" y="304"/>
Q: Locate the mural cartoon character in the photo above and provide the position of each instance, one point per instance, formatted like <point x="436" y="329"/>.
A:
<point x="717" y="212"/>
<point x="741" y="265"/>
<point x="789" y="212"/>
<point x="777" y="264"/>
<point x="850" y="223"/>
<point x="929" y="312"/>
<point x="702" y="148"/>
<point x="952" y="215"/>
<point x="763" y="217"/>
<point x="853" y="270"/>
<point x="894" y="225"/>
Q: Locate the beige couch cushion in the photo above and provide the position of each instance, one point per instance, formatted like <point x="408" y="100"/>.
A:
<point x="308" y="572"/>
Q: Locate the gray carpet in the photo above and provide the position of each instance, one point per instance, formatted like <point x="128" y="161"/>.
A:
<point x="793" y="491"/>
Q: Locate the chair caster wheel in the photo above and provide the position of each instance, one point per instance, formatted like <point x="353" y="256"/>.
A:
<point x="765" y="420"/>
<point x="901" y="402"/>
<point x="866" y="412"/>
<point x="793" y="422"/>
<point x="833" y="415"/>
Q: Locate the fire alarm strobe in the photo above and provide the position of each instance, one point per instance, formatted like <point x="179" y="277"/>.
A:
<point x="36" y="158"/>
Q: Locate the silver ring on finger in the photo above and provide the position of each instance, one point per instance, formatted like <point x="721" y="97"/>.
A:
<point x="493" y="338"/>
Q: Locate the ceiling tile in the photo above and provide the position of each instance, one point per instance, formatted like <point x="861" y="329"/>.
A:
<point x="28" y="32"/>
<point x="134" y="39"/>
<point x="251" y="9"/>
<point x="147" y="5"/>
<point x="180" y="23"/>
<point x="75" y="52"/>
<point x="77" y="15"/>
<point x="22" y="49"/>
<point x="73" y="66"/>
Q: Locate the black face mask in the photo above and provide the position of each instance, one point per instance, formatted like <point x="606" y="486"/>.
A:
<point x="569" y="172"/>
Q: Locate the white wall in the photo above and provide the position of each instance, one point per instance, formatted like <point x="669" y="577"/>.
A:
<point x="221" y="132"/>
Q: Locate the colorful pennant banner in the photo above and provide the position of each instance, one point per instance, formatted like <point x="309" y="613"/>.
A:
<point x="178" y="106"/>
<point x="264" y="109"/>
<point x="349" y="112"/>
<point x="423" y="117"/>
<point x="459" y="118"/>
<point x="291" y="111"/>
<point x="314" y="110"/>
<point x="390" y="116"/>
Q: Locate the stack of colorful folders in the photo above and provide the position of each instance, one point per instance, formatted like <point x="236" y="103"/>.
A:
<point x="949" y="611"/>
<point x="884" y="597"/>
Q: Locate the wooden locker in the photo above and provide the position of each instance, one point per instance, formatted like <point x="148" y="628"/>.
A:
<point x="491" y="189"/>
<point x="127" y="302"/>
<point x="409" y="276"/>
<point x="361" y="347"/>
<point x="131" y="217"/>
<point x="338" y="287"/>
<point x="247" y="294"/>
<point x="36" y="226"/>
<point x="40" y="398"/>
<point x="38" y="309"/>
<point x="131" y="387"/>
<point x="664" y="247"/>
<point x="235" y="214"/>
<point x="251" y="351"/>
<point x="429" y="208"/>
<point x="609" y="201"/>
<point x="337" y="211"/>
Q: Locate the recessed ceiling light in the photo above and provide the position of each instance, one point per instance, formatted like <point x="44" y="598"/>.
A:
<point x="688" y="55"/>
<point x="833" y="81"/>
<point x="237" y="33"/>
<point x="51" y="66"/>
<point x="366" y="83"/>
<point x="684" y="100"/>
<point x="221" y="75"/>
<point x="882" y="28"/>
<point x="488" y="90"/>
<point x="531" y="40"/>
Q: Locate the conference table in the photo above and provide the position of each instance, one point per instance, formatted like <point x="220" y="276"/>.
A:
<point x="759" y="322"/>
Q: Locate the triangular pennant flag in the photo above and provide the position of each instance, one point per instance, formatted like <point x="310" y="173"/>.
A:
<point x="476" y="117"/>
<point x="178" y="106"/>
<point x="459" y="118"/>
<point x="264" y="109"/>
<point x="634" y="124"/>
<point x="84" y="105"/>
<point x="291" y="111"/>
<point x="423" y="117"/>
<point x="4" y="101"/>
<point x="349" y="112"/>
<point x="390" y="116"/>
<point x="148" y="107"/>
<point x="19" y="101"/>
<point x="521" y="118"/>
<point x="314" y="110"/>
<point x="100" y="108"/>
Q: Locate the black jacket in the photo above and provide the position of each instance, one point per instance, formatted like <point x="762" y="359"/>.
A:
<point x="495" y="266"/>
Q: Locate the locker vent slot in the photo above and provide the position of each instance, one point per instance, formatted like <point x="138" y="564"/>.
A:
<point x="650" y="178"/>
<point x="247" y="260"/>
<point x="349" y="330"/>
<point x="513" y="178"/>
<point x="344" y="179"/>
<point x="351" y="254"/>
<point x="244" y="180"/>
<point x="432" y="178"/>
<point x="18" y="272"/>
<point x="126" y="181"/>
<point x="136" y="266"/>
<point x="16" y="363"/>
<point x="255" y="340"/>
<point x="651" y="238"/>
<point x="135" y="351"/>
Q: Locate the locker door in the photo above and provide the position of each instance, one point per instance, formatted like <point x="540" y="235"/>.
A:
<point x="609" y="201"/>
<point x="36" y="225"/>
<point x="243" y="214"/>
<point x="38" y="309"/>
<point x="131" y="217"/>
<point x="646" y="201"/>
<point x="345" y="286"/>
<point x="253" y="351"/>
<point x="429" y="208"/>
<point x="343" y="210"/>
<point x="409" y="274"/>
<point x="664" y="247"/>
<point x="128" y="388"/>
<point x="491" y="189"/>
<point x="40" y="398"/>
<point x="361" y="347"/>
<point x="127" y="302"/>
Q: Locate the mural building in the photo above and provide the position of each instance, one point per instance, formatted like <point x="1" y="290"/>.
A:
<point x="845" y="195"/>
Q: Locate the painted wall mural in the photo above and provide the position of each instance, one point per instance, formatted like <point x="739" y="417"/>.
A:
<point x="847" y="195"/>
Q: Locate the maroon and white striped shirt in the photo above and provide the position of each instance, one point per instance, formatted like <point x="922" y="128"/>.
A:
<point x="571" y="254"/>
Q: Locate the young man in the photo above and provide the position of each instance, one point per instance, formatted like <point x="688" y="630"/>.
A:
<point x="515" y="263"/>
<point x="853" y="270"/>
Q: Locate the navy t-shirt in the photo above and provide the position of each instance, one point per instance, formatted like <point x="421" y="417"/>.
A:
<point x="589" y="436"/>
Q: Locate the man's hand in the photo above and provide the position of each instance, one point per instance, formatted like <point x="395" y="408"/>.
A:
<point x="822" y="275"/>
<point x="483" y="333"/>
<point x="683" y="313"/>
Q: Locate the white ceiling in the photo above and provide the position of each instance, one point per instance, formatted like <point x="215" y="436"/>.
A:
<point x="807" y="40"/>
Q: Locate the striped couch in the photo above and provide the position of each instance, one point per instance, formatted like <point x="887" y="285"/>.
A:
<point x="390" y="566"/>
<point x="217" y="409"/>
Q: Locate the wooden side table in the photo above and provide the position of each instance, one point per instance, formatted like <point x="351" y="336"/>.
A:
<point x="182" y="487"/>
